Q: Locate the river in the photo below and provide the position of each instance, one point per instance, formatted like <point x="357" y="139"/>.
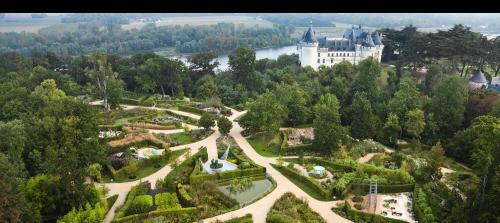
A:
<point x="270" y="53"/>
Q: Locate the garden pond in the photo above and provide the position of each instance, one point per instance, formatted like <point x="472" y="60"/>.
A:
<point x="257" y="190"/>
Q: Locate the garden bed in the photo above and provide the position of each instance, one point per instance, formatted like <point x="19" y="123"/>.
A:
<point x="289" y="208"/>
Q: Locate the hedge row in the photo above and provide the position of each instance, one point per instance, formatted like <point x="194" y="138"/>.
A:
<point x="171" y="216"/>
<point x="334" y="166"/>
<point x="184" y="198"/>
<point x="197" y="177"/>
<point x="386" y="189"/>
<point x="191" y="110"/>
<point x="140" y="164"/>
<point x="185" y="119"/>
<point x="143" y="143"/>
<point x="306" y="180"/>
<point x="422" y="210"/>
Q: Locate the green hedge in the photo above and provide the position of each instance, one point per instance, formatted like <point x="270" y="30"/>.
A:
<point x="191" y="110"/>
<point x="386" y="189"/>
<point x="185" y="119"/>
<point x="198" y="176"/>
<point x="306" y="180"/>
<point x="171" y="216"/>
<point x="422" y="210"/>
<point x="184" y="198"/>
<point x="334" y="166"/>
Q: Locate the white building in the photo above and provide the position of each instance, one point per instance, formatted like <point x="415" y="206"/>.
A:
<point x="355" y="45"/>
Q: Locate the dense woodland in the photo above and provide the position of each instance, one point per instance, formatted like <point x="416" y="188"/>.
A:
<point x="49" y="134"/>
<point x="111" y="38"/>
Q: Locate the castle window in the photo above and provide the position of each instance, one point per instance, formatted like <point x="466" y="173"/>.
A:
<point x="318" y="54"/>
<point x="323" y="60"/>
<point x="318" y="61"/>
<point x="331" y="61"/>
<point x="337" y="54"/>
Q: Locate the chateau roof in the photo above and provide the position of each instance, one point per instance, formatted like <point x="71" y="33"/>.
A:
<point x="377" y="39"/>
<point x="368" y="41"/>
<point x="479" y="77"/>
<point x="309" y="36"/>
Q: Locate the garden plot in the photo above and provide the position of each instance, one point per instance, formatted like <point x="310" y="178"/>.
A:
<point x="396" y="206"/>
<point x="247" y="193"/>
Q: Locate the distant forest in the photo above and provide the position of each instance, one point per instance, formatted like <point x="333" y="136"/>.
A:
<point x="107" y="34"/>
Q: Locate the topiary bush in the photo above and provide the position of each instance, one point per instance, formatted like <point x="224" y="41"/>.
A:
<point x="357" y="199"/>
<point x="358" y="206"/>
<point x="167" y="201"/>
<point x="140" y="204"/>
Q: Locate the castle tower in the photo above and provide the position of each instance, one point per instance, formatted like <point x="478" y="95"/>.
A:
<point x="309" y="49"/>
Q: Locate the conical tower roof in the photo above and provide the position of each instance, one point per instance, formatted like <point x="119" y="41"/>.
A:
<point x="309" y="36"/>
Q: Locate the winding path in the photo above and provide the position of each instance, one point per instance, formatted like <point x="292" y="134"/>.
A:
<point x="258" y="209"/>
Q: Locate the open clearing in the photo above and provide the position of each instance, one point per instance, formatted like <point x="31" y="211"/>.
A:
<point x="239" y="21"/>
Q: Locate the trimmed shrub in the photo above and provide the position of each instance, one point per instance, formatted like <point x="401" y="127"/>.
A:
<point x="140" y="204"/>
<point x="306" y="180"/>
<point x="185" y="199"/>
<point x="167" y="201"/>
<point x="191" y="110"/>
<point x="169" y="216"/>
<point x="89" y="214"/>
<point x="357" y="199"/>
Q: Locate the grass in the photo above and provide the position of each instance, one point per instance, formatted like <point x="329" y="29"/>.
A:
<point x="123" y="121"/>
<point x="181" y="138"/>
<point x="245" y="219"/>
<point x="238" y="21"/>
<point x="147" y="170"/>
<point x="311" y="191"/>
<point x="259" y="143"/>
<point x="111" y="200"/>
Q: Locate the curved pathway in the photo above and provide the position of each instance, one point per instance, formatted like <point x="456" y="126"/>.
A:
<point x="258" y="209"/>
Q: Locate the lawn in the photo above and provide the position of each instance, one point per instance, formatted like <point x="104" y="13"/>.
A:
<point x="111" y="200"/>
<point x="311" y="191"/>
<point x="147" y="169"/>
<point x="181" y="138"/>
<point x="264" y="145"/>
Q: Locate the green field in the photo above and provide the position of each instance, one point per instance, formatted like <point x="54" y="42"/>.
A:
<point x="27" y="25"/>
<point x="260" y="143"/>
<point x="239" y="21"/>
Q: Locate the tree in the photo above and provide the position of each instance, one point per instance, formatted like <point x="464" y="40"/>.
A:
<point x="207" y="88"/>
<point x="12" y="142"/>
<point x="207" y="121"/>
<point x="264" y="114"/>
<point x="448" y="105"/>
<point x="295" y="99"/>
<point x="415" y="122"/>
<point x="202" y="64"/>
<point x="363" y="121"/>
<point x="105" y="79"/>
<point x="485" y="154"/>
<point x="95" y="171"/>
<point x="242" y="63"/>
<point x="368" y="72"/>
<point x="328" y="132"/>
<point x="405" y="99"/>
<point x="13" y="205"/>
<point x="436" y="159"/>
<point x="224" y="125"/>
<point x="392" y="129"/>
